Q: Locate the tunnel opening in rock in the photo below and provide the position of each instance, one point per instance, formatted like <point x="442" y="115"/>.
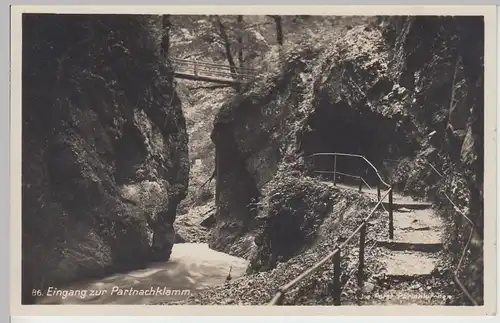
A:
<point x="356" y="130"/>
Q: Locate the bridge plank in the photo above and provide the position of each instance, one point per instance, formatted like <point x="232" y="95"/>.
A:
<point x="207" y="78"/>
<point x="209" y="72"/>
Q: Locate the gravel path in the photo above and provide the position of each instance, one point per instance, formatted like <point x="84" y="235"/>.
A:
<point x="408" y="268"/>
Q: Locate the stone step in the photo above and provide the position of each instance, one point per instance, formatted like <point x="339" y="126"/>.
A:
<point x="398" y="202"/>
<point x="415" y="229"/>
<point x="412" y="236"/>
<point x="396" y="205"/>
<point x="406" y="265"/>
<point x="417" y="220"/>
<point x="402" y="277"/>
<point x="398" y="245"/>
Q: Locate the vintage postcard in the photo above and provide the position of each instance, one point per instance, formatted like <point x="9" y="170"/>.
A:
<point x="243" y="160"/>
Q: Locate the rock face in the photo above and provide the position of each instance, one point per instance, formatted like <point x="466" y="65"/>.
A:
<point x="409" y="89"/>
<point x="447" y="103"/>
<point x="448" y="107"/>
<point x="318" y="103"/>
<point x="250" y="133"/>
<point x="104" y="155"/>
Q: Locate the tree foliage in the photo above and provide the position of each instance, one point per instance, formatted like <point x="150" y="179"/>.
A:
<point x="245" y="40"/>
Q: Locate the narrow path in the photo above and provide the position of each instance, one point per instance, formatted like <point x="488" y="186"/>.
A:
<point x="405" y="270"/>
<point x="408" y="265"/>
<point x="400" y="201"/>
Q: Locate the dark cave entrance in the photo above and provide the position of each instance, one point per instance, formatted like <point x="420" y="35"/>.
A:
<point x="342" y="128"/>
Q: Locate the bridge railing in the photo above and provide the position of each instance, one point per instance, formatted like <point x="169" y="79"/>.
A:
<point x="335" y="255"/>
<point x="221" y="66"/>
<point x="196" y="68"/>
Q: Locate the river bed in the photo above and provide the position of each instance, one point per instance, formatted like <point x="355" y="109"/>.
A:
<point x="192" y="267"/>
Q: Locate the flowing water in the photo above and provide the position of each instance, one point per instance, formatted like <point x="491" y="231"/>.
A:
<point x="192" y="267"/>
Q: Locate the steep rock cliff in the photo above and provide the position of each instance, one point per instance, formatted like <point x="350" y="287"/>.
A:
<point x="447" y="100"/>
<point x="448" y="110"/>
<point x="408" y="90"/>
<point x="104" y="156"/>
<point x="319" y="102"/>
<point x="252" y="136"/>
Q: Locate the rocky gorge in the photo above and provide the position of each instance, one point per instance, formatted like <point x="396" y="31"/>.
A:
<point x="107" y="160"/>
<point x="105" y="148"/>
<point x="404" y="88"/>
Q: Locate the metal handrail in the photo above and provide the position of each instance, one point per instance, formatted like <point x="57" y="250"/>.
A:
<point x="356" y="156"/>
<point x="455" y="272"/>
<point x="448" y="198"/>
<point x="361" y="178"/>
<point x="345" y="174"/>
<point x="279" y="297"/>
<point x="281" y="293"/>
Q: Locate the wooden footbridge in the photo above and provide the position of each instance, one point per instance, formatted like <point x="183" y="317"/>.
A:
<point x="209" y="72"/>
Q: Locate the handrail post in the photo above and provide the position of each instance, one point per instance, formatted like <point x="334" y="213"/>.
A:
<point x="280" y="299"/>
<point x="335" y="170"/>
<point x="336" y="279"/>
<point x="360" y="183"/>
<point x="379" y="195"/>
<point x="458" y="227"/>
<point x="362" y="237"/>
<point x="391" y="219"/>
<point x="195" y="68"/>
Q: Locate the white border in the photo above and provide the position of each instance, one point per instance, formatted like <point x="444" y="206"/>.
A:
<point x="490" y="172"/>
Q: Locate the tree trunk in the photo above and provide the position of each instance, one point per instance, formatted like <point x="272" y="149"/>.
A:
<point x="227" y="47"/>
<point x="279" y="34"/>
<point x="240" y="40"/>
<point x="279" y="29"/>
<point x="165" y="41"/>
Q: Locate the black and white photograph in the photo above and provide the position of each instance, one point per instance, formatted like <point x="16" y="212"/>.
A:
<point x="253" y="159"/>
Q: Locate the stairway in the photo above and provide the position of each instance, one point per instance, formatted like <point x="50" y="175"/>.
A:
<point x="408" y="264"/>
<point x="405" y="270"/>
